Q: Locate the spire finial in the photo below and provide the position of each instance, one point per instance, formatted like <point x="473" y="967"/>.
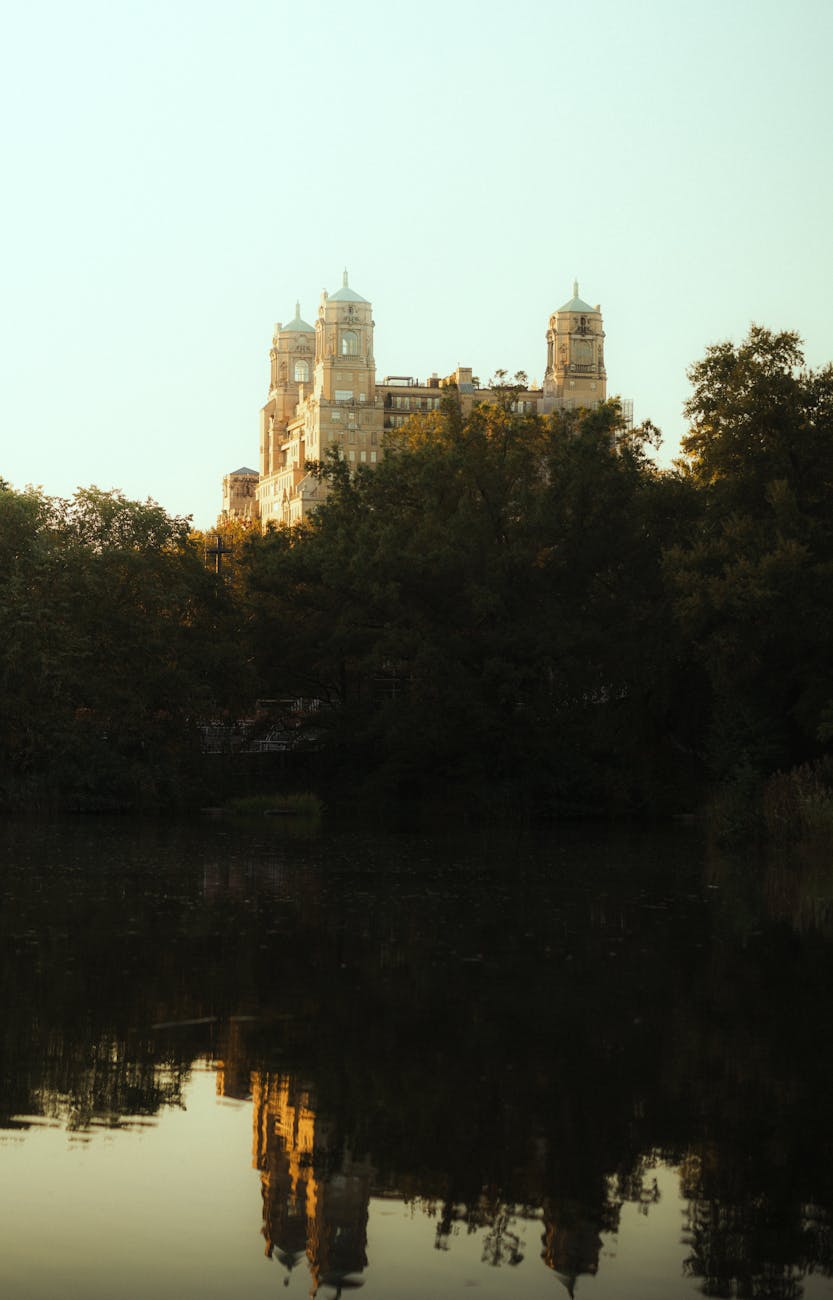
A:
<point x="575" y="288"/>
<point x="297" y="308"/>
<point x="344" y="279"/>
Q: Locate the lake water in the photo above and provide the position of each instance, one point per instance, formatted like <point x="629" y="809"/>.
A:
<point x="255" y="1060"/>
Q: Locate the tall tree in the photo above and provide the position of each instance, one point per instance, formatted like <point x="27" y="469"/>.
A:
<point x="485" y="608"/>
<point x="753" y="590"/>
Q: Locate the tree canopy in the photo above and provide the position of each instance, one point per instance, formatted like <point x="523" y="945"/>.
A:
<point x="752" y="586"/>
<point x="515" y="607"/>
<point x="114" y="644"/>
<point x="483" y="608"/>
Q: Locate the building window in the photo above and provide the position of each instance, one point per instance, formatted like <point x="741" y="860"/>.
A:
<point x="364" y="455"/>
<point x="344" y="394"/>
<point x="349" y="344"/>
<point x="373" y="458"/>
<point x="352" y="454"/>
<point x="301" y="372"/>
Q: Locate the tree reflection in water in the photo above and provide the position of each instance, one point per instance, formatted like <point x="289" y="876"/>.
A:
<point x="510" y="1036"/>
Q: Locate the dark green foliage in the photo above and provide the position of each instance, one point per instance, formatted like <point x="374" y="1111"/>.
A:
<point x="485" y="610"/>
<point x="114" y="642"/>
<point x="521" y="611"/>
<point x="527" y="607"/>
<point x="753" y="587"/>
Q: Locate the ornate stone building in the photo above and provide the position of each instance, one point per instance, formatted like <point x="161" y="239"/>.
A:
<point x="240" y="494"/>
<point x="323" y="393"/>
<point x="575" y="374"/>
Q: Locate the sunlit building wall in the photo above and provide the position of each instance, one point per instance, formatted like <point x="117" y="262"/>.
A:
<point x="323" y="394"/>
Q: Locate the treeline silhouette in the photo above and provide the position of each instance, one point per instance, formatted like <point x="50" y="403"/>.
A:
<point x="516" y="610"/>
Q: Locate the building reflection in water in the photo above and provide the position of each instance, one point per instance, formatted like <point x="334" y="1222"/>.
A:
<point x="316" y="1195"/>
<point x="315" y="1200"/>
<point x="572" y="1243"/>
<point x="686" y="1020"/>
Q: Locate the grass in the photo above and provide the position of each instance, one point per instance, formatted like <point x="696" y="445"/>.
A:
<point x="799" y="802"/>
<point x="302" y="804"/>
<point x="788" y="806"/>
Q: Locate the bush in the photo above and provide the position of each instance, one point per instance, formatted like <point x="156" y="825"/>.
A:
<point x="799" y="802"/>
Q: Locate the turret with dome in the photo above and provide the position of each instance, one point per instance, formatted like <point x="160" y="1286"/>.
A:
<point x="322" y="393"/>
<point x="296" y="325"/>
<point x="345" y="293"/>
<point x="578" y="305"/>
<point x="291" y="359"/>
<point x="344" y="362"/>
<point x="575" y="374"/>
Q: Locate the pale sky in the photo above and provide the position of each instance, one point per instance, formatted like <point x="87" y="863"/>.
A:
<point x="178" y="173"/>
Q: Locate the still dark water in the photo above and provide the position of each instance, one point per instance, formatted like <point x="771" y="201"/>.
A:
<point x="238" y="1061"/>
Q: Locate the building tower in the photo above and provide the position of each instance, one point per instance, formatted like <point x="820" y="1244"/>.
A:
<point x="240" y="494"/>
<point x="575" y="374"/>
<point x="322" y="394"/>
<point x="344" y="365"/>
<point x="290" y="372"/>
<point x="344" y="411"/>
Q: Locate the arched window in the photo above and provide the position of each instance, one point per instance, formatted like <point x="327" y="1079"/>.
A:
<point x="301" y="372"/>
<point x="349" y="344"/>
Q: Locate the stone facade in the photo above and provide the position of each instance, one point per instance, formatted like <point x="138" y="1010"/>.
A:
<point x="240" y="494"/>
<point x="575" y="374"/>
<point x="323" y="393"/>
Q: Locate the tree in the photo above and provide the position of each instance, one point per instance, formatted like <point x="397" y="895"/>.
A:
<point x="753" y="587"/>
<point x="114" y="644"/>
<point x="484" y="609"/>
<point x="759" y="418"/>
<point x="232" y="535"/>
